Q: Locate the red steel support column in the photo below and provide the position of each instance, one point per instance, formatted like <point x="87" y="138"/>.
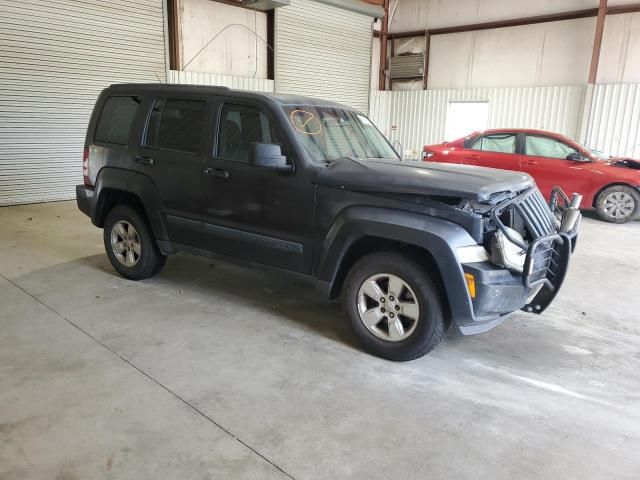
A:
<point x="597" y="41"/>
<point x="382" y="76"/>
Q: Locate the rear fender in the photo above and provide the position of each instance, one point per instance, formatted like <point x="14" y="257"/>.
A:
<point x="134" y="183"/>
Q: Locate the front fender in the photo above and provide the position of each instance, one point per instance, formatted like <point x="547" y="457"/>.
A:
<point x="439" y="237"/>
<point x="134" y="183"/>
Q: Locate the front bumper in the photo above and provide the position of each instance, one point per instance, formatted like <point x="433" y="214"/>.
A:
<point x="500" y="291"/>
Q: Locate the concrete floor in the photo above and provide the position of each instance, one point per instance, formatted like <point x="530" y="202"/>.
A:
<point x="217" y="371"/>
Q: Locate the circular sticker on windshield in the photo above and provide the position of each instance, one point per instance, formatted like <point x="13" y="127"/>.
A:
<point x="306" y="122"/>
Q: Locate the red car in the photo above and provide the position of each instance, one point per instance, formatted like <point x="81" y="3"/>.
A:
<point x="610" y="185"/>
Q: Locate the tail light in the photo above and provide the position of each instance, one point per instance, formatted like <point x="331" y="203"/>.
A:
<point x="85" y="168"/>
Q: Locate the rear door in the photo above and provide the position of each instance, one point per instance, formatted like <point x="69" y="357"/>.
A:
<point x="171" y="152"/>
<point x="495" y="150"/>
<point x="545" y="159"/>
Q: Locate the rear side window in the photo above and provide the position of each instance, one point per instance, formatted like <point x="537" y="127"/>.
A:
<point x="116" y="119"/>
<point x="176" y="125"/>
<point x="501" y="143"/>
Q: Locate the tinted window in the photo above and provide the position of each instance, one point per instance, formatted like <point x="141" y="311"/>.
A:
<point x="241" y="126"/>
<point x="501" y="143"/>
<point x="116" y="119"/>
<point x="547" y="147"/>
<point x="176" y="125"/>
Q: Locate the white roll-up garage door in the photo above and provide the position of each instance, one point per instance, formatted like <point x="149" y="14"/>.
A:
<point x="55" y="57"/>
<point x="323" y="51"/>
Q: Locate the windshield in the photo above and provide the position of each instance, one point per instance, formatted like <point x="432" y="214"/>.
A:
<point x="599" y="154"/>
<point x="329" y="134"/>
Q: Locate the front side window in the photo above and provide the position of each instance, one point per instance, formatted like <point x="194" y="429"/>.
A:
<point x="116" y="119"/>
<point x="330" y="133"/>
<point x="500" y="143"/>
<point x="176" y="125"/>
<point x="547" y="147"/>
<point x="240" y="127"/>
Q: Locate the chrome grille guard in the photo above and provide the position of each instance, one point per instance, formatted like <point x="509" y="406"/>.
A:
<point x="553" y="229"/>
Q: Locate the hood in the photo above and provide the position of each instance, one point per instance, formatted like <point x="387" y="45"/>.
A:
<point x="422" y="178"/>
<point x="623" y="162"/>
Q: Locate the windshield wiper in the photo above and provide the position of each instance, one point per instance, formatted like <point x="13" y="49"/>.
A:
<point x="330" y="161"/>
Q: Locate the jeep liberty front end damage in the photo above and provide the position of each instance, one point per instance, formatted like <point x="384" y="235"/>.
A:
<point x="313" y="188"/>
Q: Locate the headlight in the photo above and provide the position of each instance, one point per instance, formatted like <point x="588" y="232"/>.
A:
<point x="427" y="154"/>
<point x="506" y="253"/>
<point x="472" y="254"/>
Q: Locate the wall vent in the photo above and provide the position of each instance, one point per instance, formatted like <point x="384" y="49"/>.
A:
<point x="406" y="66"/>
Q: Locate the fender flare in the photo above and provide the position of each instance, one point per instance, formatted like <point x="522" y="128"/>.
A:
<point x="134" y="183"/>
<point x="439" y="237"/>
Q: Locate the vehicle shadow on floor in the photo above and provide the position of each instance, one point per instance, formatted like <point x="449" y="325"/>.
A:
<point x="278" y="294"/>
<point x="593" y="215"/>
<point x="191" y="289"/>
<point x="293" y="299"/>
<point x="189" y="280"/>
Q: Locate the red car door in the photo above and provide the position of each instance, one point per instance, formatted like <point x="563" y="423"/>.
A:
<point x="546" y="159"/>
<point x="495" y="150"/>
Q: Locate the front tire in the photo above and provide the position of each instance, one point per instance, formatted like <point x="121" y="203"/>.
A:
<point x="130" y="245"/>
<point x="618" y="204"/>
<point x="394" y="307"/>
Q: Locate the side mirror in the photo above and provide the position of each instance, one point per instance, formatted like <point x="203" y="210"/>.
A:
<point x="269" y="155"/>
<point x="577" y="157"/>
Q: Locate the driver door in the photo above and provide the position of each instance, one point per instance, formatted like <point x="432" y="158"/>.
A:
<point x="545" y="159"/>
<point x="251" y="212"/>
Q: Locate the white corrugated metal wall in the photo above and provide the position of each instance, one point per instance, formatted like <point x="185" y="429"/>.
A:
<point x="323" y="51"/>
<point x="55" y="57"/>
<point x="218" y="79"/>
<point x="418" y="118"/>
<point x="614" y="119"/>
<point x="606" y="117"/>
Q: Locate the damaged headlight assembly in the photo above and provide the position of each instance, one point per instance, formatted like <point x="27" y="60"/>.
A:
<point x="507" y="250"/>
<point x="503" y="251"/>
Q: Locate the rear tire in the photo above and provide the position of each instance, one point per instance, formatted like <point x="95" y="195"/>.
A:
<point x="130" y="245"/>
<point x="405" y="319"/>
<point x="618" y="204"/>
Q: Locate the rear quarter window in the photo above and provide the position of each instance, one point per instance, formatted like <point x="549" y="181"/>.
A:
<point x="116" y="119"/>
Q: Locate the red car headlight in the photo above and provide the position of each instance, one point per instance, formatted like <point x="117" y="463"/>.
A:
<point x="426" y="154"/>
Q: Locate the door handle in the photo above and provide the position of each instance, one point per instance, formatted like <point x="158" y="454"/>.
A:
<point x="473" y="157"/>
<point x="145" y="160"/>
<point x="530" y="162"/>
<point x="217" y="172"/>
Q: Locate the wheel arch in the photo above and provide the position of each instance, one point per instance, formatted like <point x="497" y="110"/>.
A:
<point x="429" y="241"/>
<point x="110" y="198"/>
<point x="368" y="244"/>
<point x="116" y="186"/>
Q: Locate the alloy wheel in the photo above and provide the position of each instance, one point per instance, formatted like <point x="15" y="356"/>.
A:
<point x="388" y="307"/>
<point x="619" y="205"/>
<point x="125" y="243"/>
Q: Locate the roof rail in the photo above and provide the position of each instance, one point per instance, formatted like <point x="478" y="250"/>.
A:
<point x="171" y="85"/>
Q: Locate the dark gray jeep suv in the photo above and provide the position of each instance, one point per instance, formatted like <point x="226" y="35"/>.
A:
<point x="313" y="188"/>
